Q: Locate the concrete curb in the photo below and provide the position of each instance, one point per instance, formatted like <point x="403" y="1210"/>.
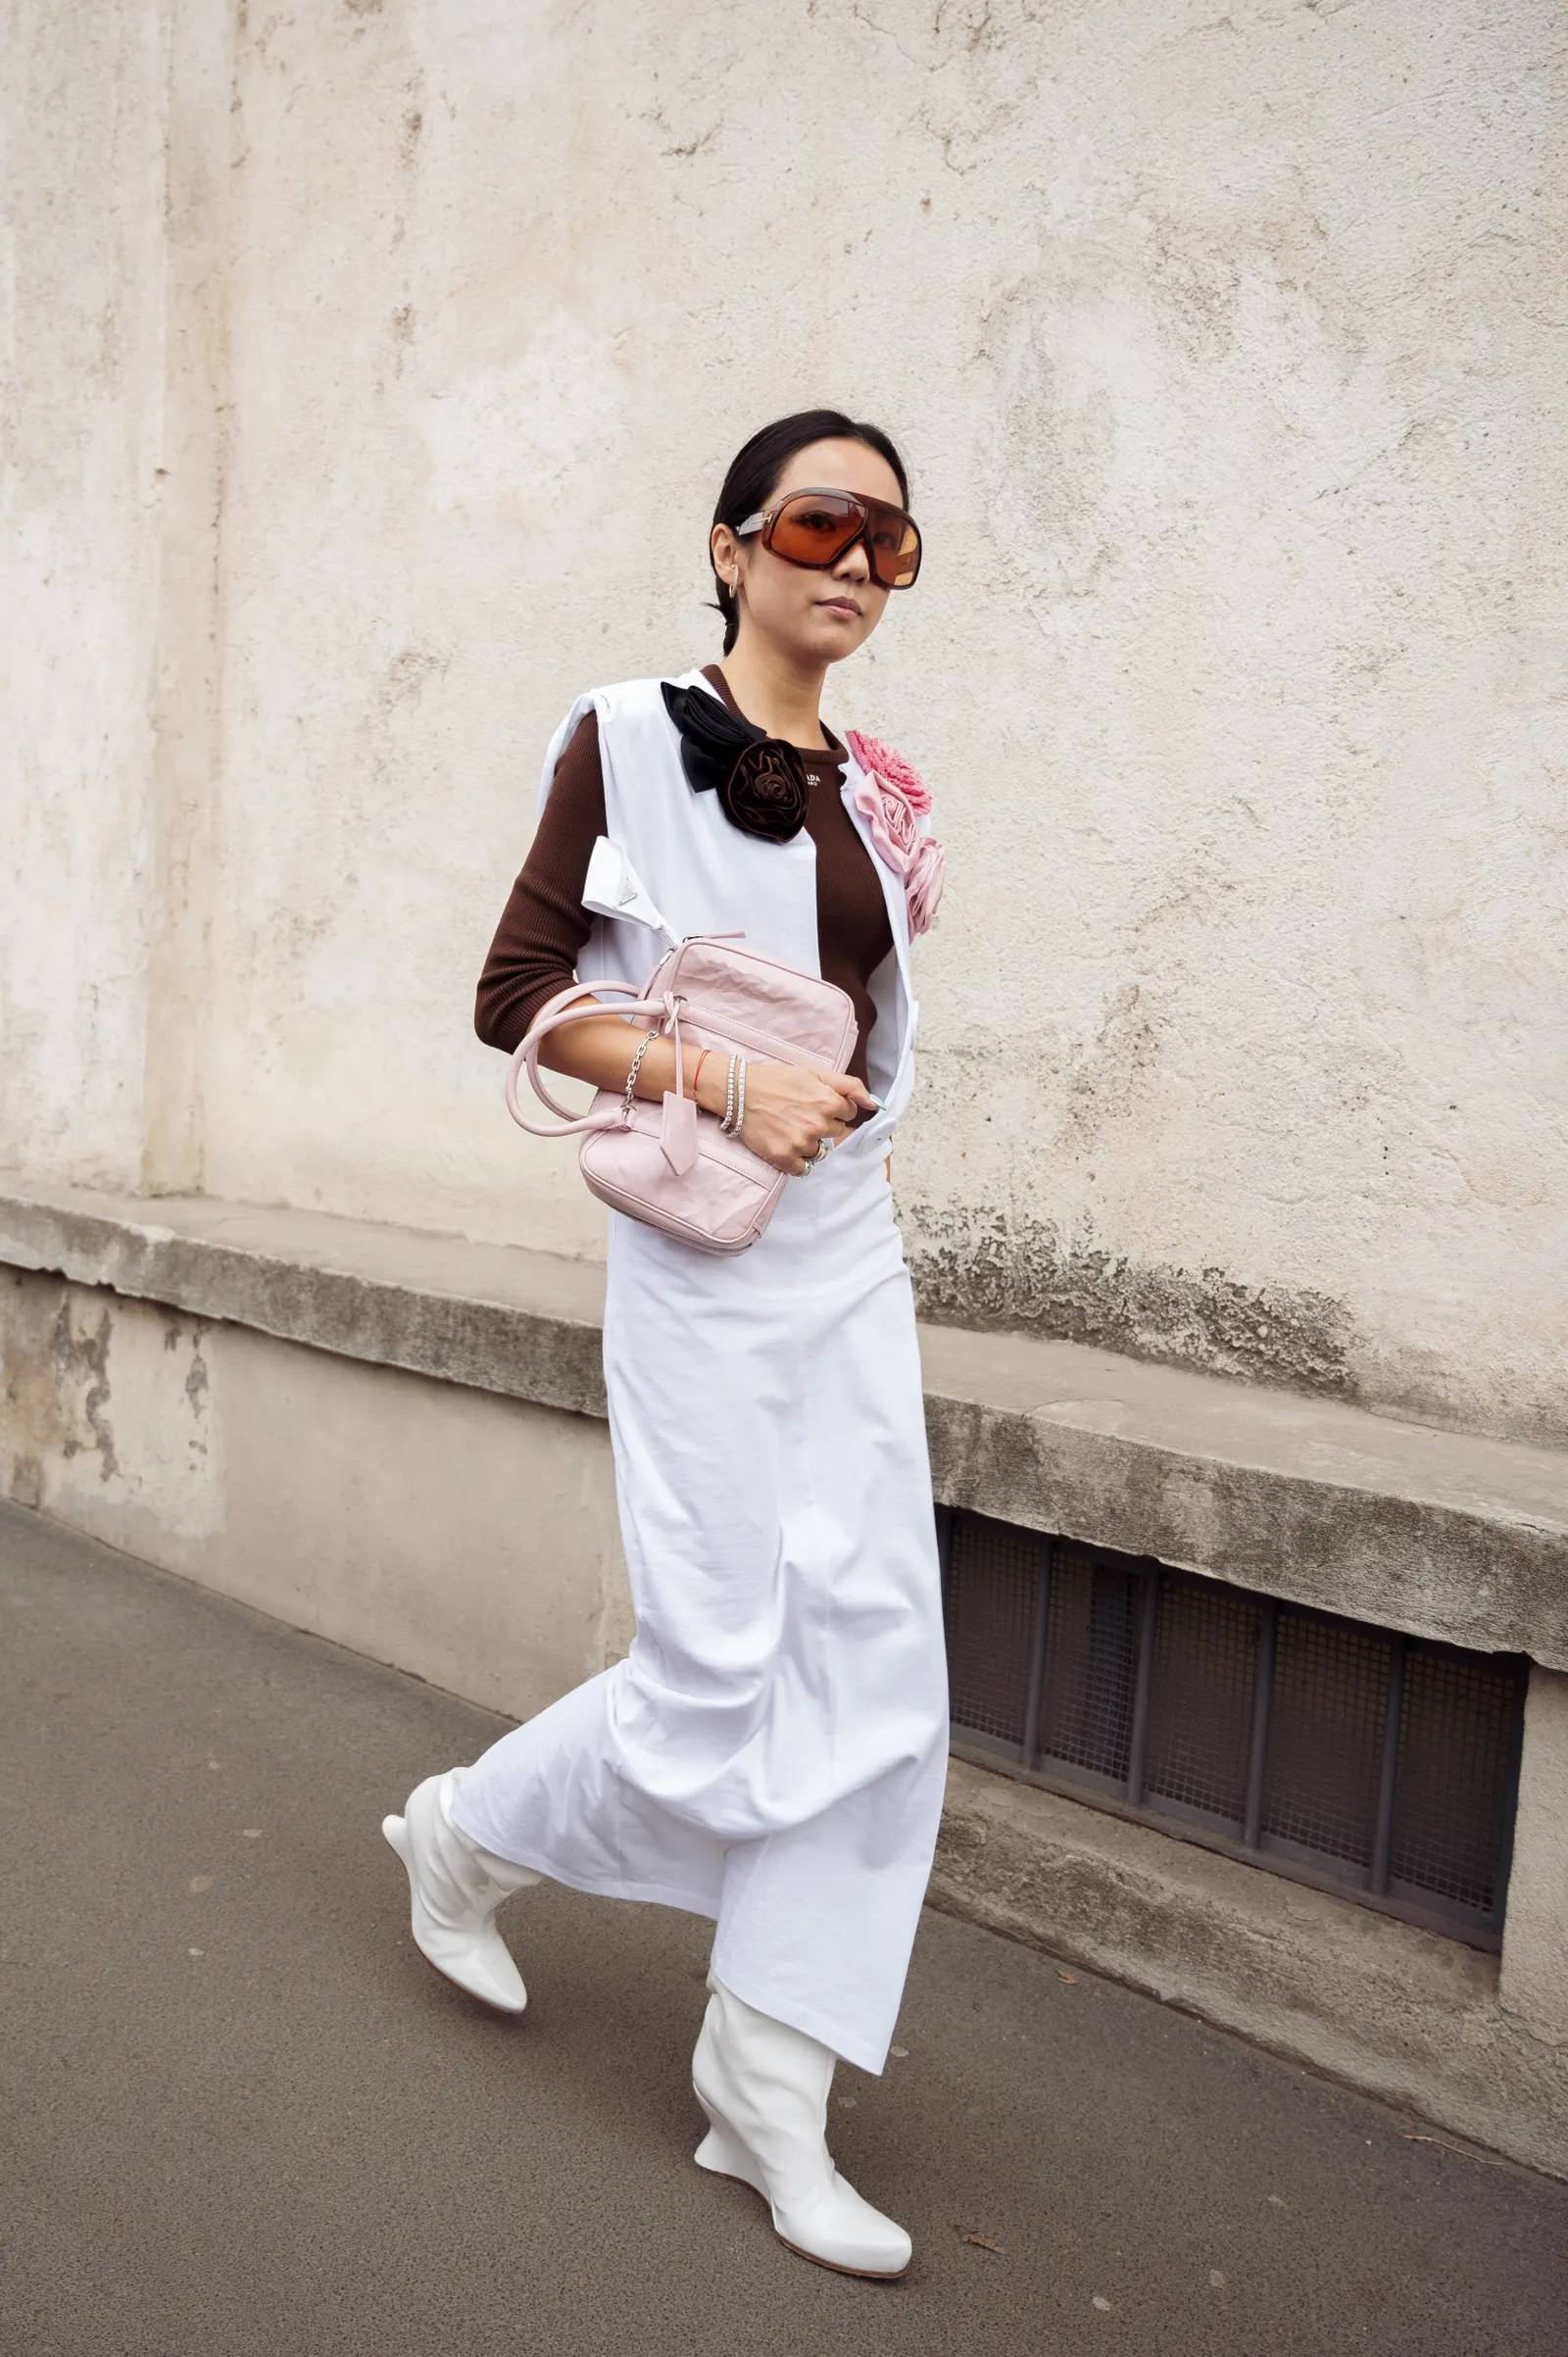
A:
<point x="1376" y="2003"/>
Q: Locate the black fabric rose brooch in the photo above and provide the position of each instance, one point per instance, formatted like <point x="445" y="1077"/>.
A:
<point x="760" y="781"/>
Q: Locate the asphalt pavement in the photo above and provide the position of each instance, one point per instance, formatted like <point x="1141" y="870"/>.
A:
<point x="239" y="2113"/>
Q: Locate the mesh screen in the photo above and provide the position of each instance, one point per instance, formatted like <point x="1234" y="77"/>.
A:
<point x="1325" y="1735"/>
<point x="1085" y="1719"/>
<point x="993" y="1583"/>
<point x="1200" y="1703"/>
<point x="1327" y="1708"/>
<point x="1456" y="1731"/>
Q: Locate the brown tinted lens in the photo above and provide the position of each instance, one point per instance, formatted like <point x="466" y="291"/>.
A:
<point x="815" y="527"/>
<point x="895" y="546"/>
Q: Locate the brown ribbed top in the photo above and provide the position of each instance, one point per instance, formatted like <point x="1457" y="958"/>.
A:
<point x="544" y="924"/>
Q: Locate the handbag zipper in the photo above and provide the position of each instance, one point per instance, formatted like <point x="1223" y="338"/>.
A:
<point x="783" y="1050"/>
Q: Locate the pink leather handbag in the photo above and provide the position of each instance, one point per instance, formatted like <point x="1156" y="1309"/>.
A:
<point x="671" y="1165"/>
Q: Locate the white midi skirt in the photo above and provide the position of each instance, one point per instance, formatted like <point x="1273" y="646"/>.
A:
<point x="773" y="1749"/>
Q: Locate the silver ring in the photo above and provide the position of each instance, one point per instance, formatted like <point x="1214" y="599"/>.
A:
<point x="823" y="1150"/>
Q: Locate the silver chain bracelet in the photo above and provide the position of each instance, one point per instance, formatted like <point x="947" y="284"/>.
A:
<point x="636" y="1068"/>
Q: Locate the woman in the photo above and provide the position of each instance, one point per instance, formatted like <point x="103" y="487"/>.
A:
<point x="772" y="1751"/>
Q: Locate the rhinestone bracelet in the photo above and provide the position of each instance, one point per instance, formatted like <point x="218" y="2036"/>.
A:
<point x="734" y="1095"/>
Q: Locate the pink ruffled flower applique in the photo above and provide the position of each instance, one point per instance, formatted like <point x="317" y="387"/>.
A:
<point x="892" y="798"/>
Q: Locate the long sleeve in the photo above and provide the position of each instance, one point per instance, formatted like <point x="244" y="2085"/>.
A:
<point x="544" y="924"/>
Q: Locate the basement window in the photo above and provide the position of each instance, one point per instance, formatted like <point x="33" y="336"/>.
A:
<point x="1381" y="1766"/>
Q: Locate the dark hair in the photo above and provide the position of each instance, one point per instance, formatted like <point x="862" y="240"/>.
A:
<point x="758" y="465"/>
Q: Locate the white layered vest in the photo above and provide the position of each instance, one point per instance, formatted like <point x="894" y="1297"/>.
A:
<point x="671" y="863"/>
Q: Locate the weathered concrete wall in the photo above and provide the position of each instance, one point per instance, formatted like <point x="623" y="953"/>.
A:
<point x="1535" y="1953"/>
<point x="1219" y="352"/>
<point x="114" y="135"/>
<point x="82" y="132"/>
<point x="469" y="1539"/>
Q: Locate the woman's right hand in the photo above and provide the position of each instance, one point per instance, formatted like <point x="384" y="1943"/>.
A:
<point x="790" y="1109"/>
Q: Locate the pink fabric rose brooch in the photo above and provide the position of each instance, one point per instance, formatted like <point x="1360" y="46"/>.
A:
<point x="893" y="800"/>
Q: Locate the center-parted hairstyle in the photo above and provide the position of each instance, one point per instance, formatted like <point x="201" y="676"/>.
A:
<point x="756" y="465"/>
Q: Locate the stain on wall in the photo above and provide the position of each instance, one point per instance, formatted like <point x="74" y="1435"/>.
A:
<point x="1018" y="1273"/>
<point x="78" y="1359"/>
<point x="109" y="1406"/>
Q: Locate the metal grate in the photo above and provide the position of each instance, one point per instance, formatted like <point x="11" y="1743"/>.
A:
<point x="1326" y="1732"/>
<point x="992" y="1580"/>
<point x="1091" y="1664"/>
<point x="1458" y="1736"/>
<point x="1379" y="1765"/>
<point x="1200" y="1702"/>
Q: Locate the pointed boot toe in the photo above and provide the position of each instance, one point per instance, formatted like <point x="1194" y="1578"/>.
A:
<point x="841" y="2229"/>
<point x="455" y="1889"/>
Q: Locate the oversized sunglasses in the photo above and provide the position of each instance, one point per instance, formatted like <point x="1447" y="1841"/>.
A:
<point x="815" y="528"/>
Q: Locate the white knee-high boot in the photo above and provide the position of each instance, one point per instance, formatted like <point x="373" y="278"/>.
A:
<point x="764" y="2089"/>
<point x="455" y="1888"/>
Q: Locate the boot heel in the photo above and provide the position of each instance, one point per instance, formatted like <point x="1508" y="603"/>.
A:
<point x="725" y="2155"/>
<point x="397" y="1834"/>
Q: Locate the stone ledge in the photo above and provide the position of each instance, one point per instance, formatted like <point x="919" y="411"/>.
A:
<point x="502" y="1319"/>
<point x="1436" y="1531"/>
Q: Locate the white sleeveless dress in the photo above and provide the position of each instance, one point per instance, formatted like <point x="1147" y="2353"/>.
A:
<point x="772" y="1752"/>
